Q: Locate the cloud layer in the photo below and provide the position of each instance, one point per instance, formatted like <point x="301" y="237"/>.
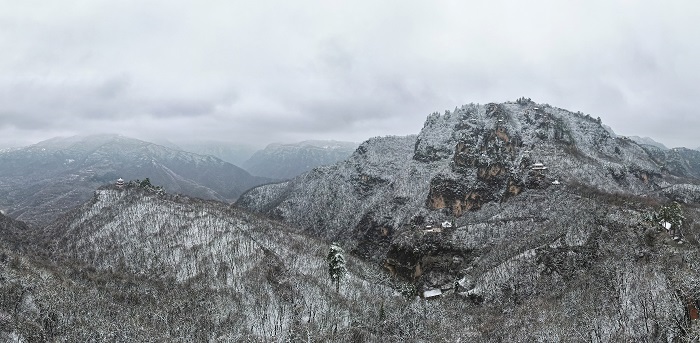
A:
<point x="261" y="71"/>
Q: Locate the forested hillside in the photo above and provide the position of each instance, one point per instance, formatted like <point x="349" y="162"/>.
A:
<point x="134" y="265"/>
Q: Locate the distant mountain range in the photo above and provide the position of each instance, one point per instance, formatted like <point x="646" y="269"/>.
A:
<point x="648" y="141"/>
<point x="232" y="153"/>
<point x="42" y="181"/>
<point x="276" y="161"/>
<point x="285" y="161"/>
<point x="680" y="162"/>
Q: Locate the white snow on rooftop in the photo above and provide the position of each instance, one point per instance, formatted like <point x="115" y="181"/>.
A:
<point x="432" y="293"/>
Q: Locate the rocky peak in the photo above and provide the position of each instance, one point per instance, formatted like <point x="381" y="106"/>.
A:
<point x="495" y="151"/>
<point x="495" y="155"/>
<point x="460" y="161"/>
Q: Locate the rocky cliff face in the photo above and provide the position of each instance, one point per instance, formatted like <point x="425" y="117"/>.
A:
<point x="42" y="181"/>
<point x="460" y="161"/>
<point x="539" y="203"/>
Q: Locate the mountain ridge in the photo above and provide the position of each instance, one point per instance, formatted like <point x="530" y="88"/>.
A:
<point x="648" y="141"/>
<point x="42" y="180"/>
<point x="462" y="160"/>
<point x="514" y="205"/>
<point x="187" y="269"/>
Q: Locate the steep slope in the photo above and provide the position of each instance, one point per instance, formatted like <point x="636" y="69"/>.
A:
<point x="285" y="161"/>
<point x="133" y="265"/>
<point x="544" y="213"/>
<point x="285" y="296"/>
<point x="459" y="162"/>
<point x="12" y="231"/>
<point x="39" y="182"/>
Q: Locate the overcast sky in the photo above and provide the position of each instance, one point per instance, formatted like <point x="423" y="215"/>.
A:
<point x="262" y="71"/>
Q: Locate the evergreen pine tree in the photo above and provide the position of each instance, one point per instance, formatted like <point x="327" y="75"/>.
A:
<point x="336" y="264"/>
<point x="672" y="214"/>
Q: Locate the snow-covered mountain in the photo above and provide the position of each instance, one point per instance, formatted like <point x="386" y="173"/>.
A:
<point x="460" y="161"/>
<point x="520" y="222"/>
<point x="285" y="161"/>
<point x="42" y="181"/>
<point x="134" y="265"/>
<point x="463" y="160"/>
<point x="513" y="205"/>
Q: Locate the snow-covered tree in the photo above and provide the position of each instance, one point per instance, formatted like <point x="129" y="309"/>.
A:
<point x="145" y="183"/>
<point x="336" y="264"/>
<point x="672" y="214"/>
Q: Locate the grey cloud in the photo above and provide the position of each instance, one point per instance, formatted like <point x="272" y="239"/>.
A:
<point x="180" y="107"/>
<point x="113" y="87"/>
<point x="22" y="121"/>
<point x="284" y="70"/>
<point x="334" y="55"/>
<point x="71" y="104"/>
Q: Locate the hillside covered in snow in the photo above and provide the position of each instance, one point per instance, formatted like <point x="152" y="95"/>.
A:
<point x="515" y="206"/>
<point x="459" y="162"/>
<point x="500" y="222"/>
<point x="135" y="265"/>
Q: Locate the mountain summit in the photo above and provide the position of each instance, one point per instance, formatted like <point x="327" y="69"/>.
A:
<point x="459" y="162"/>
<point x="514" y="207"/>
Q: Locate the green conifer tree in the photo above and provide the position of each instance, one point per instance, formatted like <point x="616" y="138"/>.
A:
<point x="336" y="264"/>
<point x="672" y="214"/>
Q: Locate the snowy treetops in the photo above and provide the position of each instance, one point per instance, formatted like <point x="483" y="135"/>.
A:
<point x="671" y="214"/>
<point x="336" y="264"/>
